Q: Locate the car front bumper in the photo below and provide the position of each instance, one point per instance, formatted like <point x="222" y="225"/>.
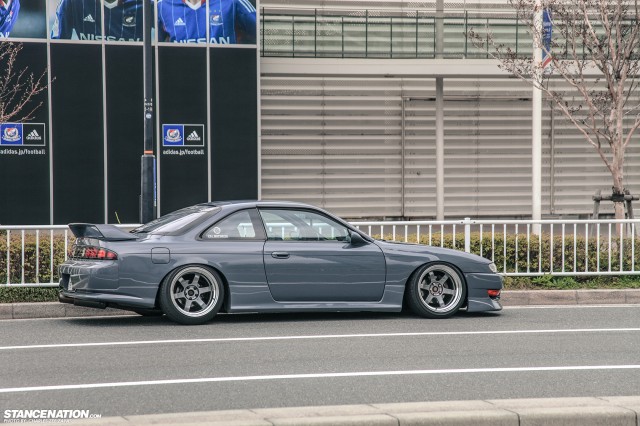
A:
<point x="478" y="284"/>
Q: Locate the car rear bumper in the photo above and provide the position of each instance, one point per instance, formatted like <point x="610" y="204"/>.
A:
<point x="103" y="300"/>
<point x="95" y="284"/>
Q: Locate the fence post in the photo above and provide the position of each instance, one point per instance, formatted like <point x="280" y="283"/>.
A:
<point x="467" y="234"/>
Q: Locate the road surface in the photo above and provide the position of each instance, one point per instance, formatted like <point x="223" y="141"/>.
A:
<point x="136" y="365"/>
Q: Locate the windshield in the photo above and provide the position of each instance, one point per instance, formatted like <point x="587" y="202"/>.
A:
<point x="177" y="220"/>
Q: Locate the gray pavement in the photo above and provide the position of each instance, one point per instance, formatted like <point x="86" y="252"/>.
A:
<point x="509" y="298"/>
<point x="553" y="351"/>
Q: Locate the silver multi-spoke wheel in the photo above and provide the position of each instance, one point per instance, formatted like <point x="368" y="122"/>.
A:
<point x="437" y="291"/>
<point x="191" y="295"/>
<point x="440" y="288"/>
<point x="194" y="291"/>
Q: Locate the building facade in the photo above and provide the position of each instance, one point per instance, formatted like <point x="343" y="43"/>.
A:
<point x="330" y="102"/>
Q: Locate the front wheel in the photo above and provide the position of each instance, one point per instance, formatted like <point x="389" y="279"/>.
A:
<point x="436" y="291"/>
<point x="191" y="295"/>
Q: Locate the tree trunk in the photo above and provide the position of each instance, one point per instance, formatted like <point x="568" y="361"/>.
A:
<point x="617" y="172"/>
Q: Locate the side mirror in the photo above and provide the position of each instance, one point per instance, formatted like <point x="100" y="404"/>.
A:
<point x="356" y="239"/>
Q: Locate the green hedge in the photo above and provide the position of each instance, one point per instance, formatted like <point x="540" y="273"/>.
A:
<point x="27" y="294"/>
<point x="44" y="258"/>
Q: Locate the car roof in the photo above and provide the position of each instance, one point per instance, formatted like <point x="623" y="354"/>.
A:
<point x="259" y="203"/>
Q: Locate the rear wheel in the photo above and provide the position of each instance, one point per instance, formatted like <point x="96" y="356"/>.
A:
<point x="191" y="295"/>
<point x="436" y="291"/>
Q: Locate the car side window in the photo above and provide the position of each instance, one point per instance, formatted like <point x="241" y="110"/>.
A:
<point x="301" y="225"/>
<point x="237" y="226"/>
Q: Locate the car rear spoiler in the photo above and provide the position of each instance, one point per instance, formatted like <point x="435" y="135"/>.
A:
<point x="100" y="232"/>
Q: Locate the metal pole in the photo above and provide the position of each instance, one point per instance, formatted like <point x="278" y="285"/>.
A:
<point x="402" y="154"/>
<point x="148" y="163"/>
<point x="439" y="148"/>
<point x="536" y="125"/>
<point x="439" y="114"/>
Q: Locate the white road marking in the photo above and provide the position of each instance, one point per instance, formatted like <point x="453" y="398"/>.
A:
<point x="318" y="376"/>
<point x="612" y="306"/>
<point x="321" y="336"/>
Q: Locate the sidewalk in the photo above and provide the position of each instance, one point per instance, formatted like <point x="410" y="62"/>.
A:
<point x="509" y="298"/>
<point x="610" y="411"/>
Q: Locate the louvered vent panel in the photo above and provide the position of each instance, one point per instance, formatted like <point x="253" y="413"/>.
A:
<point x="420" y="151"/>
<point x="334" y="143"/>
<point x="579" y="171"/>
<point x="337" y="142"/>
<point x="487" y="148"/>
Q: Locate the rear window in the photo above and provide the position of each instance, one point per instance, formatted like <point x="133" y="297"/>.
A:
<point x="176" y="221"/>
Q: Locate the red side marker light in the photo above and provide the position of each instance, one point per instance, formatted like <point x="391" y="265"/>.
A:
<point x="493" y="293"/>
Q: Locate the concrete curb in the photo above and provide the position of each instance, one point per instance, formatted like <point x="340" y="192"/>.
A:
<point x="611" y="411"/>
<point x="509" y="298"/>
<point x="53" y="310"/>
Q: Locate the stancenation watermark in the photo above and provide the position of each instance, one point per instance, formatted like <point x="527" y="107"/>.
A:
<point x="46" y="416"/>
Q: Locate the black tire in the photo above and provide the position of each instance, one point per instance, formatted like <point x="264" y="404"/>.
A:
<point x="436" y="290"/>
<point x="191" y="294"/>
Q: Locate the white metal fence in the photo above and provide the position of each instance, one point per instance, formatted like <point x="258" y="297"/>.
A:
<point x="527" y="247"/>
<point x="30" y="255"/>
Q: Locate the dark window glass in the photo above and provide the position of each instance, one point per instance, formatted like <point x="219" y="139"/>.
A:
<point x="174" y="222"/>
<point x="236" y="226"/>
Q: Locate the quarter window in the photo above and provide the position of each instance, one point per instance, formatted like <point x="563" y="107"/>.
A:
<point x="237" y="226"/>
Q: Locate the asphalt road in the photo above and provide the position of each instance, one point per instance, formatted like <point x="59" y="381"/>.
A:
<point x="135" y="365"/>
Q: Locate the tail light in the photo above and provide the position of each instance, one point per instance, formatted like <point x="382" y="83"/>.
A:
<point x="93" y="253"/>
<point x="493" y="293"/>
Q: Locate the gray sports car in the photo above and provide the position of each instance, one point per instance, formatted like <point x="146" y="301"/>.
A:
<point x="264" y="256"/>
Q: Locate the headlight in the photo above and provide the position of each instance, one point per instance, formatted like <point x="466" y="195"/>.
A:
<point x="493" y="267"/>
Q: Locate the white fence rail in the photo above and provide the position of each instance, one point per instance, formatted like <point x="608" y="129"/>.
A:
<point x="30" y="255"/>
<point x="527" y="247"/>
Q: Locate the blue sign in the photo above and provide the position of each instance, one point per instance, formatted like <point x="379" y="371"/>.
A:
<point x="11" y="134"/>
<point x="172" y="135"/>
<point x="186" y="135"/>
<point x="22" y="134"/>
<point x="547" y="30"/>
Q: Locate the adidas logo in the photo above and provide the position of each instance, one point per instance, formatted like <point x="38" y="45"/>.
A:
<point x="179" y="22"/>
<point x="193" y="136"/>
<point x="89" y="18"/>
<point x="34" y="136"/>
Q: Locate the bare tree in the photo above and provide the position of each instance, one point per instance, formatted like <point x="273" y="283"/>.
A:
<point x="18" y="87"/>
<point x="594" y="48"/>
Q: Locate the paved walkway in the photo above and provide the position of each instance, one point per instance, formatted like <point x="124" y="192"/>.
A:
<point x="610" y="411"/>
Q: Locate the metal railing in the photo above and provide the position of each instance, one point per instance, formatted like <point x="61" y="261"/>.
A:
<point x="322" y="33"/>
<point x="380" y="34"/>
<point x="527" y="247"/>
<point x="30" y="255"/>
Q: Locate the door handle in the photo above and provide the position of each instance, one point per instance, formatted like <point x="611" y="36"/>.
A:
<point x="280" y="255"/>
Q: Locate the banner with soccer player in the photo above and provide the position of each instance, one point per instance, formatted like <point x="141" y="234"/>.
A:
<point x="82" y="19"/>
<point x="22" y="20"/>
<point x="192" y="21"/>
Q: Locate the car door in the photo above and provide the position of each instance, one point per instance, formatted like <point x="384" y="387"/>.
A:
<point x="308" y="258"/>
<point x="234" y="245"/>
